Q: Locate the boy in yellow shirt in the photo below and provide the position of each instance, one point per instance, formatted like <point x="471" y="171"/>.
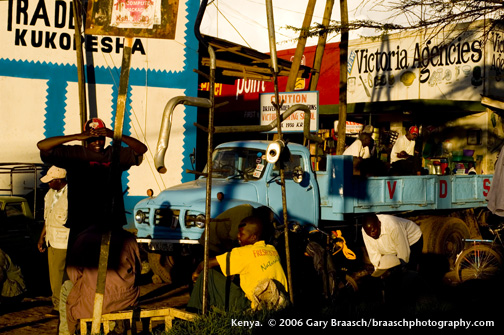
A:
<point x="254" y="261"/>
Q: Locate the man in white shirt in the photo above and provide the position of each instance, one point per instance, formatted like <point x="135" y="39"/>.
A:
<point x="359" y="149"/>
<point x="391" y="235"/>
<point x="54" y="232"/>
<point x="403" y="153"/>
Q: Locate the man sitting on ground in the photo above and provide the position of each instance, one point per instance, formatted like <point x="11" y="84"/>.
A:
<point x="121" y="284"/>
<point x="255" y="261"/>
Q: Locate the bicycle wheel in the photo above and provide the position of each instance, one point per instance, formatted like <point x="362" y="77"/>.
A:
<point x="478" y="262"/>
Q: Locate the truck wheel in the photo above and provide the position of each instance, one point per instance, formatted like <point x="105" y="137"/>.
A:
<point x="444" y="236"/>
<point x="161" y="265"/>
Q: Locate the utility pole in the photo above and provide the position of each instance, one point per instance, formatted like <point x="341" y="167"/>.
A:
<point x="319" y="53"/>
<point x="340" y="148"/>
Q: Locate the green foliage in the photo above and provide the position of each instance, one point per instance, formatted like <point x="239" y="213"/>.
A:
<point x="220" y="322"/>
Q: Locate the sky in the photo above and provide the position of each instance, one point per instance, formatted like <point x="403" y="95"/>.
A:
<point x="245" y="21"/>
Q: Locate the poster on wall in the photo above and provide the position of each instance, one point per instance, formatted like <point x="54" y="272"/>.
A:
<point x="139" y="18"/>
<point x="135" y="13"/>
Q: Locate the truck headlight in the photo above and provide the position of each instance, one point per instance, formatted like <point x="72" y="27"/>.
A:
<point x="140" y="217"/>
<point x="200" y="221"/>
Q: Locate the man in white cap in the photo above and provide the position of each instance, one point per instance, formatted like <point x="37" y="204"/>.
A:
<point x="402" y="156"/>
<point x="54" y="232"/>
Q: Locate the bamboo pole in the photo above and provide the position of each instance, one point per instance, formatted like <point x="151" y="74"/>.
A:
<point x="118" y="130"/>
<point x="319" y="53"/>
<point x="298" y="55"/>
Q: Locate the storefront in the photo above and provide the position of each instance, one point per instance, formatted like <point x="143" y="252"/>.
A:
<point x="434" y="79"/>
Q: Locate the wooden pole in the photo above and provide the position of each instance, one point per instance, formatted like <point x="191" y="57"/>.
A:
<point x="298" y="55"/>
<point x="340" y="148"/>
<point x="80" y="64"/>
<point x="319" y="53"/>
<point x="118" y="130"/>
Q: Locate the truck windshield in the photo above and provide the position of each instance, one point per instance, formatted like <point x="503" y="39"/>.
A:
<point x="240" y="163"/>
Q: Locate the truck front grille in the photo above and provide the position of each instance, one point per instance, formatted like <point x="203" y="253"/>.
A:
<point x="166" y="217"/>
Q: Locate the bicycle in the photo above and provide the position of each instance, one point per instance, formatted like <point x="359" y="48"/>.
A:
<point x="323" y="248"/>
<point x="483" y="259"/>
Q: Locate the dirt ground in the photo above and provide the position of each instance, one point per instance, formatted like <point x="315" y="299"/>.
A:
<point x="30" y="317"/>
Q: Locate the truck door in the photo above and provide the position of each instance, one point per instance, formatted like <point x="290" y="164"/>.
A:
<point x="302" y="198"/>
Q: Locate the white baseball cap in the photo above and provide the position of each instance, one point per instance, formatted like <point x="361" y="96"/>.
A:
<point x="54" y="173"/>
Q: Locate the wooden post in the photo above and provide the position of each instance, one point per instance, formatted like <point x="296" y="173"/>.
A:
<point x="319" y="53"/>
<point x="340" y="148"/>
<point x="118" y="129"/>
<point x="80" y="64"/>
<point x="298" y="55"/>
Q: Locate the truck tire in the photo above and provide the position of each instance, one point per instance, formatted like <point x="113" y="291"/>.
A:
<point x="444" y="236"/>
<point x="161" y="265"/>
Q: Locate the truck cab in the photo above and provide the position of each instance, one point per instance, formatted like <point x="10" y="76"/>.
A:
<point x="241" y="175"/>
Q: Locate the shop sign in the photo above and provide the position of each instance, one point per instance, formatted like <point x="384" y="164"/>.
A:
<point x="428" y="65"/>
<point x="295" y="122"/>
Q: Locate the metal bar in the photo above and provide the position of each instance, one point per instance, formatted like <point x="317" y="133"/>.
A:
<point x="209" y="179"/>
<point x="278" y="104"/>
<point x="164" y="133"/>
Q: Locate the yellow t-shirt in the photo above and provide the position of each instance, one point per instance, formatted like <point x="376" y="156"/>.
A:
<point x="253" y="263"/>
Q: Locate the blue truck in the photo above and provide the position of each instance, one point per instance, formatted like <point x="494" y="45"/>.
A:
<point x="444" y="206"/>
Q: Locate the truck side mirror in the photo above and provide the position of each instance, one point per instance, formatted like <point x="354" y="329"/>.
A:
<point x="297" y="174"/>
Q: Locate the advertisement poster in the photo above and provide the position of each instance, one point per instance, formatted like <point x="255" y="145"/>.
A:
<point x="136" y="13"/>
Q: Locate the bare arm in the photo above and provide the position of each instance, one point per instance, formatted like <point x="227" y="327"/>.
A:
<point x="52" y="142"/>
<point x="135" y="144"/>
<point x="40" y="244"/>
<point x="212" y="262"/>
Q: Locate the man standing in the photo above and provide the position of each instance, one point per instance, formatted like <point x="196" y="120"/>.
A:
<point x="93" y="192"/>
<point x="402" y="156"/>
<point x="54" y="231"/>
<point x="391" y="235"/>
